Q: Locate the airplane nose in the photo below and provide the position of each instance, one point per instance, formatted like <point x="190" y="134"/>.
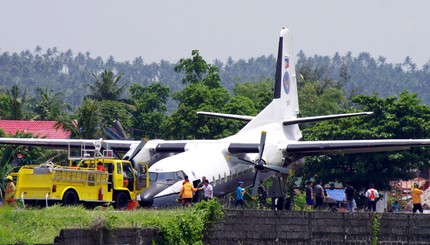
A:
<point x="146" y="200"/>
<point x="147" y="196"/>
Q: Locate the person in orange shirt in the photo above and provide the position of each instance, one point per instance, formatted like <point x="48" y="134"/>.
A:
<point x="186" y="193"/>
<point x="100" y="167"/>
<point x="416" y="199"/>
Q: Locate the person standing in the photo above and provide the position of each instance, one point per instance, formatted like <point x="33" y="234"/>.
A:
<point x="100" y="167"/>
<point x="396" y="206"/>
<point x="9" y="198"/>
<point x="185" y="179"/>
<point x="372" y="196"/>
<point x="416" y="199"/>
<point x="199" y="196"/>
<point x="319" y="195"/>
<point x="262" y="195"/>
<point x="186" y="193"/>
<point x="240" y="192"/>
<point x="349" y="197"/>
<point x="309" y="195"/>
<point x="207" y="190"/>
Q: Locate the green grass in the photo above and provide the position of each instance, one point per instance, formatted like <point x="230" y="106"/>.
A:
<point x="178" y="226"/>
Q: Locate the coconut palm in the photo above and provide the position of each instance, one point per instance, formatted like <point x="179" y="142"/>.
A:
<point x="48" y="105"/>
<point x="17" y="105"/>
<point x="106" y="87"/>
<point x="88" y="122"/>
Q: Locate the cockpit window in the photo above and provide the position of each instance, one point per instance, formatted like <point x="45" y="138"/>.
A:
<point x="181" y="175"/>
<point x="166" y="176"/>
<point x="152" y="176"/>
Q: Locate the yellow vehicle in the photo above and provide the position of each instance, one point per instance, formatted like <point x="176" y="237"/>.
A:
<point x="116" y="181"/>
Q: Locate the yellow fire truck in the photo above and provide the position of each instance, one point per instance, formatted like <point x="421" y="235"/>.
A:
<point x="93" y="180"/>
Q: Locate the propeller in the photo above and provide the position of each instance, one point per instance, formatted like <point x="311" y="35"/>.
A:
<point x="260" y="165"/>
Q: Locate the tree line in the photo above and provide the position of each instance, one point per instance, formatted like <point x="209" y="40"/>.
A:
<point x="67" y="72"/>
<point x="326" y="86"/>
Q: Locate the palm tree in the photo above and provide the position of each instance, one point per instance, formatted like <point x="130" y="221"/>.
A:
<point x="49" y="105"/>
<point x="17" y="105"/>
<point x="106" y="87"/>
<point x="88" y="124"/>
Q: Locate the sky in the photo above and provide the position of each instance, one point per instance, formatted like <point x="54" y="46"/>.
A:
<point x="240" y="29"/>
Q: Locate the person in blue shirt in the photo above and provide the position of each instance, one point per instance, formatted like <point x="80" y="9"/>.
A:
<point x="396" y="206"/>
<point x="240" y="191"/>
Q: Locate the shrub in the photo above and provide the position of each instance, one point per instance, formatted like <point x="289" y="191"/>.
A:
<point x="36" y="226"/>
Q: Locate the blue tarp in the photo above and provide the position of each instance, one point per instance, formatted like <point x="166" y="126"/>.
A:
<point x="337" y="194"/>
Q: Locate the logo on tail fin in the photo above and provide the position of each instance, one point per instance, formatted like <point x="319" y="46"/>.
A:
<point x="286" y="79"/>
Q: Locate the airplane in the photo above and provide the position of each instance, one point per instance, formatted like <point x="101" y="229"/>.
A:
<point x="268" y="143"/>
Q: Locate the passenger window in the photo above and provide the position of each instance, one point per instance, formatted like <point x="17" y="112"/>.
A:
<point x="118" y="168"/>
<point x="127" y="170"/>
<point x="142" y="169"/>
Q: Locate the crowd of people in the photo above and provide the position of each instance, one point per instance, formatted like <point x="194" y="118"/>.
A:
<point x="315" y="195"/>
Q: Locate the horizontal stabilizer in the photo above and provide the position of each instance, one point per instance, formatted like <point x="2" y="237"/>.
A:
<point x="228" y="116"/>
<point x="322" y="118"/>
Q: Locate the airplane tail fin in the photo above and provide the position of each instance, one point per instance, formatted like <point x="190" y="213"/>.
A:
<point x="285" y="78"/>
<point x="285" y="103"/>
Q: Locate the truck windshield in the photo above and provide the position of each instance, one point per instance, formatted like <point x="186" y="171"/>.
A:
<point x="166" y="176"/>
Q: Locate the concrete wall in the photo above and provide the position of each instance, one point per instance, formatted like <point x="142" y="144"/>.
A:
<point x="281" y="227"/>
<point x="104" y="236"/>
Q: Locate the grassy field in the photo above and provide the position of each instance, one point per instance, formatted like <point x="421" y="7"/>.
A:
<point x="178" y="226"/>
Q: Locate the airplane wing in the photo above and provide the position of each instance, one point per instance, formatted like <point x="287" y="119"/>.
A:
<point x="115" y="145"/>
<point x="315" y="148"/>
<point x="303" y="148"/>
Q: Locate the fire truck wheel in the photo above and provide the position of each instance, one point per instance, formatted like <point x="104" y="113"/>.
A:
<point x="70" y="198"/>
<point x="121" y="200"/>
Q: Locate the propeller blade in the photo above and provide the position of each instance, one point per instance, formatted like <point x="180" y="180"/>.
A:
<point x="277" y="169"/>
<point x="137" y="149"/>
<point x="256" y="183"/>
<point x="236" y="160"/>
<point x="262" y="143"/>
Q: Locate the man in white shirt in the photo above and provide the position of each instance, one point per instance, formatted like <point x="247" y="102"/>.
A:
<point x="372" y="196"/>
<point x="207" y="189"/>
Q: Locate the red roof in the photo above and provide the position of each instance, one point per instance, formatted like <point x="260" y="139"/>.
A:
<point x="45" y="129"/>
